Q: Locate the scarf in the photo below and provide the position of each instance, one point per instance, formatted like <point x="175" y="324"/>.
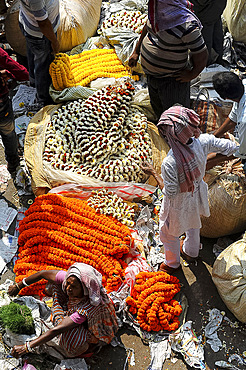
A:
<point x="178" y="124"/>
<point x="166" y="14"/>
<point x="91" y="281"/>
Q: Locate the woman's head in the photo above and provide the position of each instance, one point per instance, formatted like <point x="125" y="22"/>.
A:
<point x="73" y="287"/>
<point x="90" y="281"/>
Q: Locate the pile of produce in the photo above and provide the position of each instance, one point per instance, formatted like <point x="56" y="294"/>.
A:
<point x="132" y="20"/>
<point x="152" y="301"/>
<point x="108" y="203"/>
<point x="17" y="318"/>
<point x="101" y="137"/>
<point x="58" y="231"/>
<point x="81" y="69"/>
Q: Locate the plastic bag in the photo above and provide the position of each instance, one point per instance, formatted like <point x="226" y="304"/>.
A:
<point x="28" y="366"/>
<point x="127" y="191"/>
<point x="235" y="16"/>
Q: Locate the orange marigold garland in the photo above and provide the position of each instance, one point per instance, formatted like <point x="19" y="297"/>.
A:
<point x="58" y="231"/>
<point x="152" y="301"/>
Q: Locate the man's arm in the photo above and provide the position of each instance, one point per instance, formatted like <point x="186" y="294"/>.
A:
<point x="199" y="62"/>
<point x="148" y="169"/>
<point x="135" y="55"/>
<point x="228" y="125"/>
<point x="47" y="30"/>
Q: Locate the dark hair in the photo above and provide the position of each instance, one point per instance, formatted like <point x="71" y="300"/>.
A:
<point x="228" y="85"/>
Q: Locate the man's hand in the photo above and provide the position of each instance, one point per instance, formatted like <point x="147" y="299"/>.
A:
<point x="184" y="76"/>
<point x="147" y="168"/>
<point x="132" y="62"/>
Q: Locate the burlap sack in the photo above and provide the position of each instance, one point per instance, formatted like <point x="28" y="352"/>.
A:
<point x="227" y="203"/>
<point x="235" y="16"/>
<point x="78" y="21"/>
<point x="159" y="150"/>
<point x="229" y="276"/>
<point x="43" y="176"/>
<point x="13" y="33"/>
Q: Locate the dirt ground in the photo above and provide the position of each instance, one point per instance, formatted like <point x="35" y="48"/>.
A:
<point x="201" y="294"/>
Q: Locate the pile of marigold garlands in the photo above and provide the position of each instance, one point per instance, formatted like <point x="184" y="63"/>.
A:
<point x="152" y="301"/>
<point x="58" y="231"/>
<point x="81" y="69"/>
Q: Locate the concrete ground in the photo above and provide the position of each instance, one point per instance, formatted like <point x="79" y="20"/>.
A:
<point x="202" y="296"/>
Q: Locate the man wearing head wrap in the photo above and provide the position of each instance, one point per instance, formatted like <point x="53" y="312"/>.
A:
<point x="185" y="193"/>
<point x="172" y="52"/>
<point x="83" y="315"/>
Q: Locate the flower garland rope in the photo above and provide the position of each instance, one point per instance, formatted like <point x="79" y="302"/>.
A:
<point x="152" y="301"/>
<point x="58" y="231"/>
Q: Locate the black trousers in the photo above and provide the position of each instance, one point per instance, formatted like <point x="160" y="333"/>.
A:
<point x="165" y="92"/>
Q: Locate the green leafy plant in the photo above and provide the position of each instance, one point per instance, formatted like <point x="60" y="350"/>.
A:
<point x="17" y="318"/>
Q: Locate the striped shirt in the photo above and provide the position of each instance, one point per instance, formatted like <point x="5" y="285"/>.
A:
<point x="166" y="52"/>
<point x="32" y="11"/>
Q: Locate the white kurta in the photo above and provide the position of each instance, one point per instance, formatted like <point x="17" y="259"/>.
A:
<point x="183" y="210"/>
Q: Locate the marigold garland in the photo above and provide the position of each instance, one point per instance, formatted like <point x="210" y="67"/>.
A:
<point x="58" y="231"/>
<point x="81" y="69"/>
<point x="152" y="301"/>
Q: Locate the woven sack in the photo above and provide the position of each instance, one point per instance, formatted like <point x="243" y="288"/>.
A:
<point x="160" y="149"/>
<point x="13" y="33"/>
<point x="229" y="276"/>
<point x="212" y="113"/>
<point x="227" y="202"/>
<point x="78" y="21"/>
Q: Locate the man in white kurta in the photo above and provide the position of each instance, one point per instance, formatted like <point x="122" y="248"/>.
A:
<point x="180" y="212"/>
<point x="185" y="192"/>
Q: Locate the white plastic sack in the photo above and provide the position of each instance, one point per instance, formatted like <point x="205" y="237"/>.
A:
<point x="235" y="16"/>
<point x="229" y="276"/>
<point x="79" y="20"/>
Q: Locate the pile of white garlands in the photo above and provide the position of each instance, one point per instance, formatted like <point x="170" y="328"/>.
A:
<point x="102" y="137"/>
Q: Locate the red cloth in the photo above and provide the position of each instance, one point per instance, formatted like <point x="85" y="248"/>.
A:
<point x="15" y="69"/>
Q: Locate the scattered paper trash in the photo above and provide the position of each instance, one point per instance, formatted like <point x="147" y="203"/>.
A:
<point x="225" y="365"/>
<point x="8" y="248"/>
<point x="72" y="364"/>
<point x="185" y="341"/>
<point x="4" y="178"/>
<point x="159" y="351"/>
<point x="7" y="215"/>
<point x="215" y="319"/>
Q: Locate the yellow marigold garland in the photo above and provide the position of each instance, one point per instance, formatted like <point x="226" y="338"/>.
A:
<point x="152" y="301"/>
<point x="58" y="231"/>
<point x="81" y="69"/>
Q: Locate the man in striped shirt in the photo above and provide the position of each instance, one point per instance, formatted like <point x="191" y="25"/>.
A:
<point x="172" y="52"/>
<point x="39" y="20"/>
